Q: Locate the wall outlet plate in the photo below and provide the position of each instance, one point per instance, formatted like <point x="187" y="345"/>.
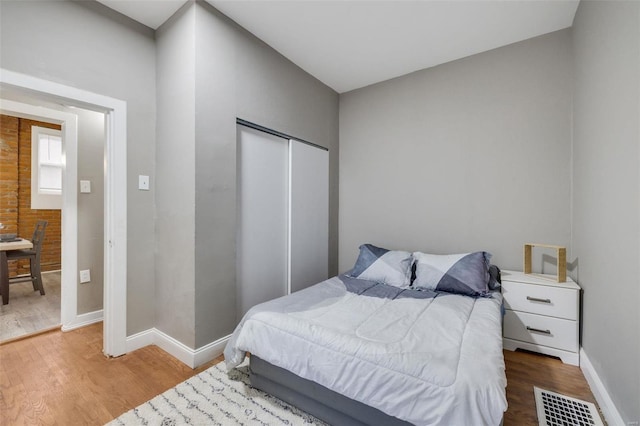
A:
<point x="85" y="276"/>
<point x="143" y="182"/>
<point x="85" y="186"/>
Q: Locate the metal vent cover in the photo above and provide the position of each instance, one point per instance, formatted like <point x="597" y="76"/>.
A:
<point x="555" y="409"/>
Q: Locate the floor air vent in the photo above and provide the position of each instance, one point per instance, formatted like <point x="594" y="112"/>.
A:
<point x="555" y="409"/>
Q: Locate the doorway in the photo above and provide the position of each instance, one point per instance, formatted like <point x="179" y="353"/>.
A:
<point x="115" y="206"/>
<point x="32" y="168"/>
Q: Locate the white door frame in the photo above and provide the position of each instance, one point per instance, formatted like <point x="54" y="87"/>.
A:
<point x="115" y="237"/>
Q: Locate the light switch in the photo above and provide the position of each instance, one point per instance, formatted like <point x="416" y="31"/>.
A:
<point x="85" y="186"/>
<point x="143" y="182"/>
<point x="85" y="276"/>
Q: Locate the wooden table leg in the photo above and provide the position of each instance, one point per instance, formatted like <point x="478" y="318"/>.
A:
<point x="4" y="277"/>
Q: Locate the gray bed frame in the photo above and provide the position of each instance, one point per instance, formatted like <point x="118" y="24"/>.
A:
<point x="315" y="399"/>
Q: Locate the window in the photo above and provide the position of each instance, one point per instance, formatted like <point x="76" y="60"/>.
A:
<point x="47" y="166"/>
<point x="50" y="163"/>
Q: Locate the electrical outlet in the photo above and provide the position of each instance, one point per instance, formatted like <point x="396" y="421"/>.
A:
<point x="85" y="186"/>
<point x="143" y="182"/>
<point x="85" y="276"/>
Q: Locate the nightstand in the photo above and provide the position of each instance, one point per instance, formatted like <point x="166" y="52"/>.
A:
<point x="541" y="315"/>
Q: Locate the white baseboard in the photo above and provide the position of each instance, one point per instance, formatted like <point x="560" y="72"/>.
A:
<point x="83" y="320"/>
<point x="191" y="357"/>
<point x="210" y="351"/>
<point x="611" y="414"/>
<point x="140" y="340"/>
<point x="176" y="348"/>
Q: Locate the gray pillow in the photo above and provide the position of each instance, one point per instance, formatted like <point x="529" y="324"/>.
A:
<point x="466" y="273"/>
<point x="392" y="267"/>
<point x="495" y="281"/>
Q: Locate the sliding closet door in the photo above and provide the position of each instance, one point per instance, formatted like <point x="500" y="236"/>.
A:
<point x="263" y="179"/>
<point x="309" y="215"/>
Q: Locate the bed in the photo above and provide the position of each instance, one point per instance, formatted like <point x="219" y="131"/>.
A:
<point x="351" y="350"/>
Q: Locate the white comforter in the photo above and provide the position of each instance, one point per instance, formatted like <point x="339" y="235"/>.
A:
<point x="434" y="361"/>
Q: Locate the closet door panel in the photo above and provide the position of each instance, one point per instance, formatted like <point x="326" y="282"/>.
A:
<point x="309" y="215"/>
<point x="261" y="260"/>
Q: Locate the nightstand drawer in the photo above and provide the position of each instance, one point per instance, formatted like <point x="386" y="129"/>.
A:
<point x="544" y="300"/>
<point x="541" y="330"/>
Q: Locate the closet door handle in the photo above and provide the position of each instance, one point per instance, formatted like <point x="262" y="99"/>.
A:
<point x="535" y="299"/>
<point x="537" y="330"/>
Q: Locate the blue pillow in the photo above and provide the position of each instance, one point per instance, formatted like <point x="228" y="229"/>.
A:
<point x="466" y="273"/>
<point x="392" y="267"/>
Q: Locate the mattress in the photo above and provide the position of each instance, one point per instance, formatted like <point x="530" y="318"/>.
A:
<point x="423" y="357"/>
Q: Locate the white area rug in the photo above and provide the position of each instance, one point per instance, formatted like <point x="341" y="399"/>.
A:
<point x="214" y="397"/>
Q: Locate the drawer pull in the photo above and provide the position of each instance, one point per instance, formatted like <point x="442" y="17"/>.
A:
<point x="535" y="299"/>
<point x="537" y="330"/>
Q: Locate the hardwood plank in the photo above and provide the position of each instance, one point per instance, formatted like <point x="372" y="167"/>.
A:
<point x="63" y="378"/>
<point x="526" y="370"/>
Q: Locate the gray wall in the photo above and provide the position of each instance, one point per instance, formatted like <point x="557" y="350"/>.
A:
<point x="96" y="49"/>
<point x="236" y="75"/>
<point x="91" y="139"/>
<point x="216" y="104"/>
<point x="190" y="234"/>
<point x="606" y="213"/>
<point x="175" y="185"/>
<point x="470" y="155"/>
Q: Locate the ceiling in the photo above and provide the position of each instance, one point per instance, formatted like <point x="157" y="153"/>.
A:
<point x="348" y="44"/>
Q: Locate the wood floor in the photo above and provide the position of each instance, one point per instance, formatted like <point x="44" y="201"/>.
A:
<point x="526" y="370"/>
<point x="64" y="379"/>
<point x="28" y="311"/>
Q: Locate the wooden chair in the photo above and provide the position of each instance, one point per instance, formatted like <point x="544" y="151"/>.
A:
<point x="33" y="255"/>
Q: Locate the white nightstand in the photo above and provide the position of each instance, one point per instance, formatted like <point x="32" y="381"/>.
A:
<point x="541" y="315"/>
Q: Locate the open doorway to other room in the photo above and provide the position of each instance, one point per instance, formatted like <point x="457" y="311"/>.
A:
<point x="30" y="311"/>
<point x="28" y="158"/>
